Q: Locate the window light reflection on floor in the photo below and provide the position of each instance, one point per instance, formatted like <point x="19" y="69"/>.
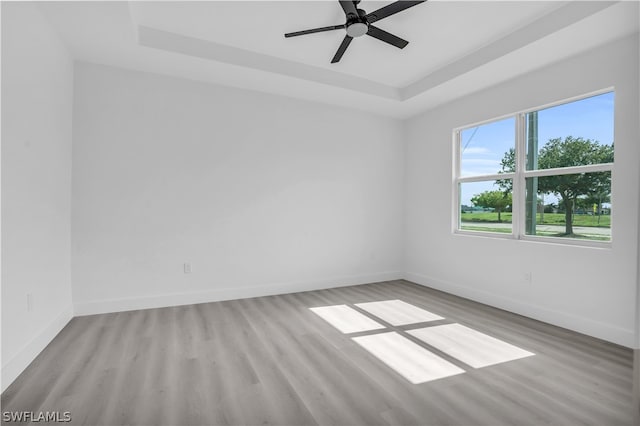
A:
<point x="346" y="319"/>
<point x="397" y="312"/>
<point x="412" y="361"/>
<point x="469" y="346"/>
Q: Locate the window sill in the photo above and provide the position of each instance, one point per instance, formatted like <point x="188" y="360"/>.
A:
<point x="570" y="242"/>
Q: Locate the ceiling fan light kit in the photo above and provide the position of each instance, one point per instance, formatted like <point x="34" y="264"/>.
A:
<point x="358" y="23"/>
<point x="357" y="29"/>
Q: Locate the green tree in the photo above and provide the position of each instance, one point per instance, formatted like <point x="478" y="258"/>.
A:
<point x="600" y="193"/>
<point x="568" y="152"/>
<point x="497" y="200"/>
<point x="508" y="164"/>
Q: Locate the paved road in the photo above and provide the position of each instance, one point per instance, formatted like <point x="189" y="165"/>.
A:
<point x="581" y="230"/>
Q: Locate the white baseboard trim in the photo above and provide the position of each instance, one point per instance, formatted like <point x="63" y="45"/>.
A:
<point x="176" y="299"/>
<point x="600" y="330"/>
<point x="16" y="365"/>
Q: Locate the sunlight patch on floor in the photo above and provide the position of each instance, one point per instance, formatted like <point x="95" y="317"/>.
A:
<point x="411" y="361"/>
<point x="469" y="346"/>
<point x="409" y="358"/>
<point x="346" y="319"/>
<point x="397" y="312"/>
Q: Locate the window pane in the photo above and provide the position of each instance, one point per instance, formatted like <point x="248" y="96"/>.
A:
<point x="569" y="206"/>
<point x="573" y="134"/>
<point x="483" y="148"/>
<point x="486" y="206"/>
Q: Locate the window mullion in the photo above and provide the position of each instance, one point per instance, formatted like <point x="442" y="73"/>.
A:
<point x="519" y="179"/>
<point x="456" y="181"/>
<point x="482" y="178"/>
<point x="589" y="168"/>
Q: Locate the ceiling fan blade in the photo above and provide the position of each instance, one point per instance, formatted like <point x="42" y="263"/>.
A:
<point x="386" y="37"/>
<point x="349" y="7"/>
<point x="343" y="46"/>
<point x="315" y="30"/>
<point x="391" y="9"/>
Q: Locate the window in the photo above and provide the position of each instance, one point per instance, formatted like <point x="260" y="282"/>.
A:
<point x="542" y="174"/>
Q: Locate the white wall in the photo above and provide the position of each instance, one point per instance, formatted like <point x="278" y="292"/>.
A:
<point x="37" y="83"/>
<point x="262" y="194"/>
<point x="585" y="289"/>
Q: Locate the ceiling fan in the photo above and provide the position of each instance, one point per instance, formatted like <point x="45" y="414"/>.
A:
<point x="358" y="23"/>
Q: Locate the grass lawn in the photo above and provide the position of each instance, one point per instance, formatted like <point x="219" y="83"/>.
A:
<point x="549" y="219"/>
<point x="485" y="229"/>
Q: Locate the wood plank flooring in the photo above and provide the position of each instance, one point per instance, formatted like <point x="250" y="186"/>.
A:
<point x="271" y="361"/>
<point x="636" y="386"/>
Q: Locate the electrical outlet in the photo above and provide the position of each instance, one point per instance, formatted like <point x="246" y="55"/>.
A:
<point x="187" y="268"/>
<point x="29" y="302"/>
<point x="528" y="277"/>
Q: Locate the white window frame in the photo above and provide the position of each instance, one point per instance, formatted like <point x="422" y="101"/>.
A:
<point x="519" y="179"/>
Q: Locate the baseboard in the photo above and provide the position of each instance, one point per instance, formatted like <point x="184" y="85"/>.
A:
<point x="16" y="365"/>
<point x="177" y="299"/>
<point x="600" y="330"/>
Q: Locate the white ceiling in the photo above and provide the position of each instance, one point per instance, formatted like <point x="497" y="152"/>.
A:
<point x="456" y="47"/>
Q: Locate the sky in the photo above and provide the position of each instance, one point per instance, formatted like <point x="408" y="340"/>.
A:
<point x="484" y="146"/>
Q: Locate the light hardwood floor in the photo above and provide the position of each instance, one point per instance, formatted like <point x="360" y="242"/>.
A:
<point x="270" y="360"/>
